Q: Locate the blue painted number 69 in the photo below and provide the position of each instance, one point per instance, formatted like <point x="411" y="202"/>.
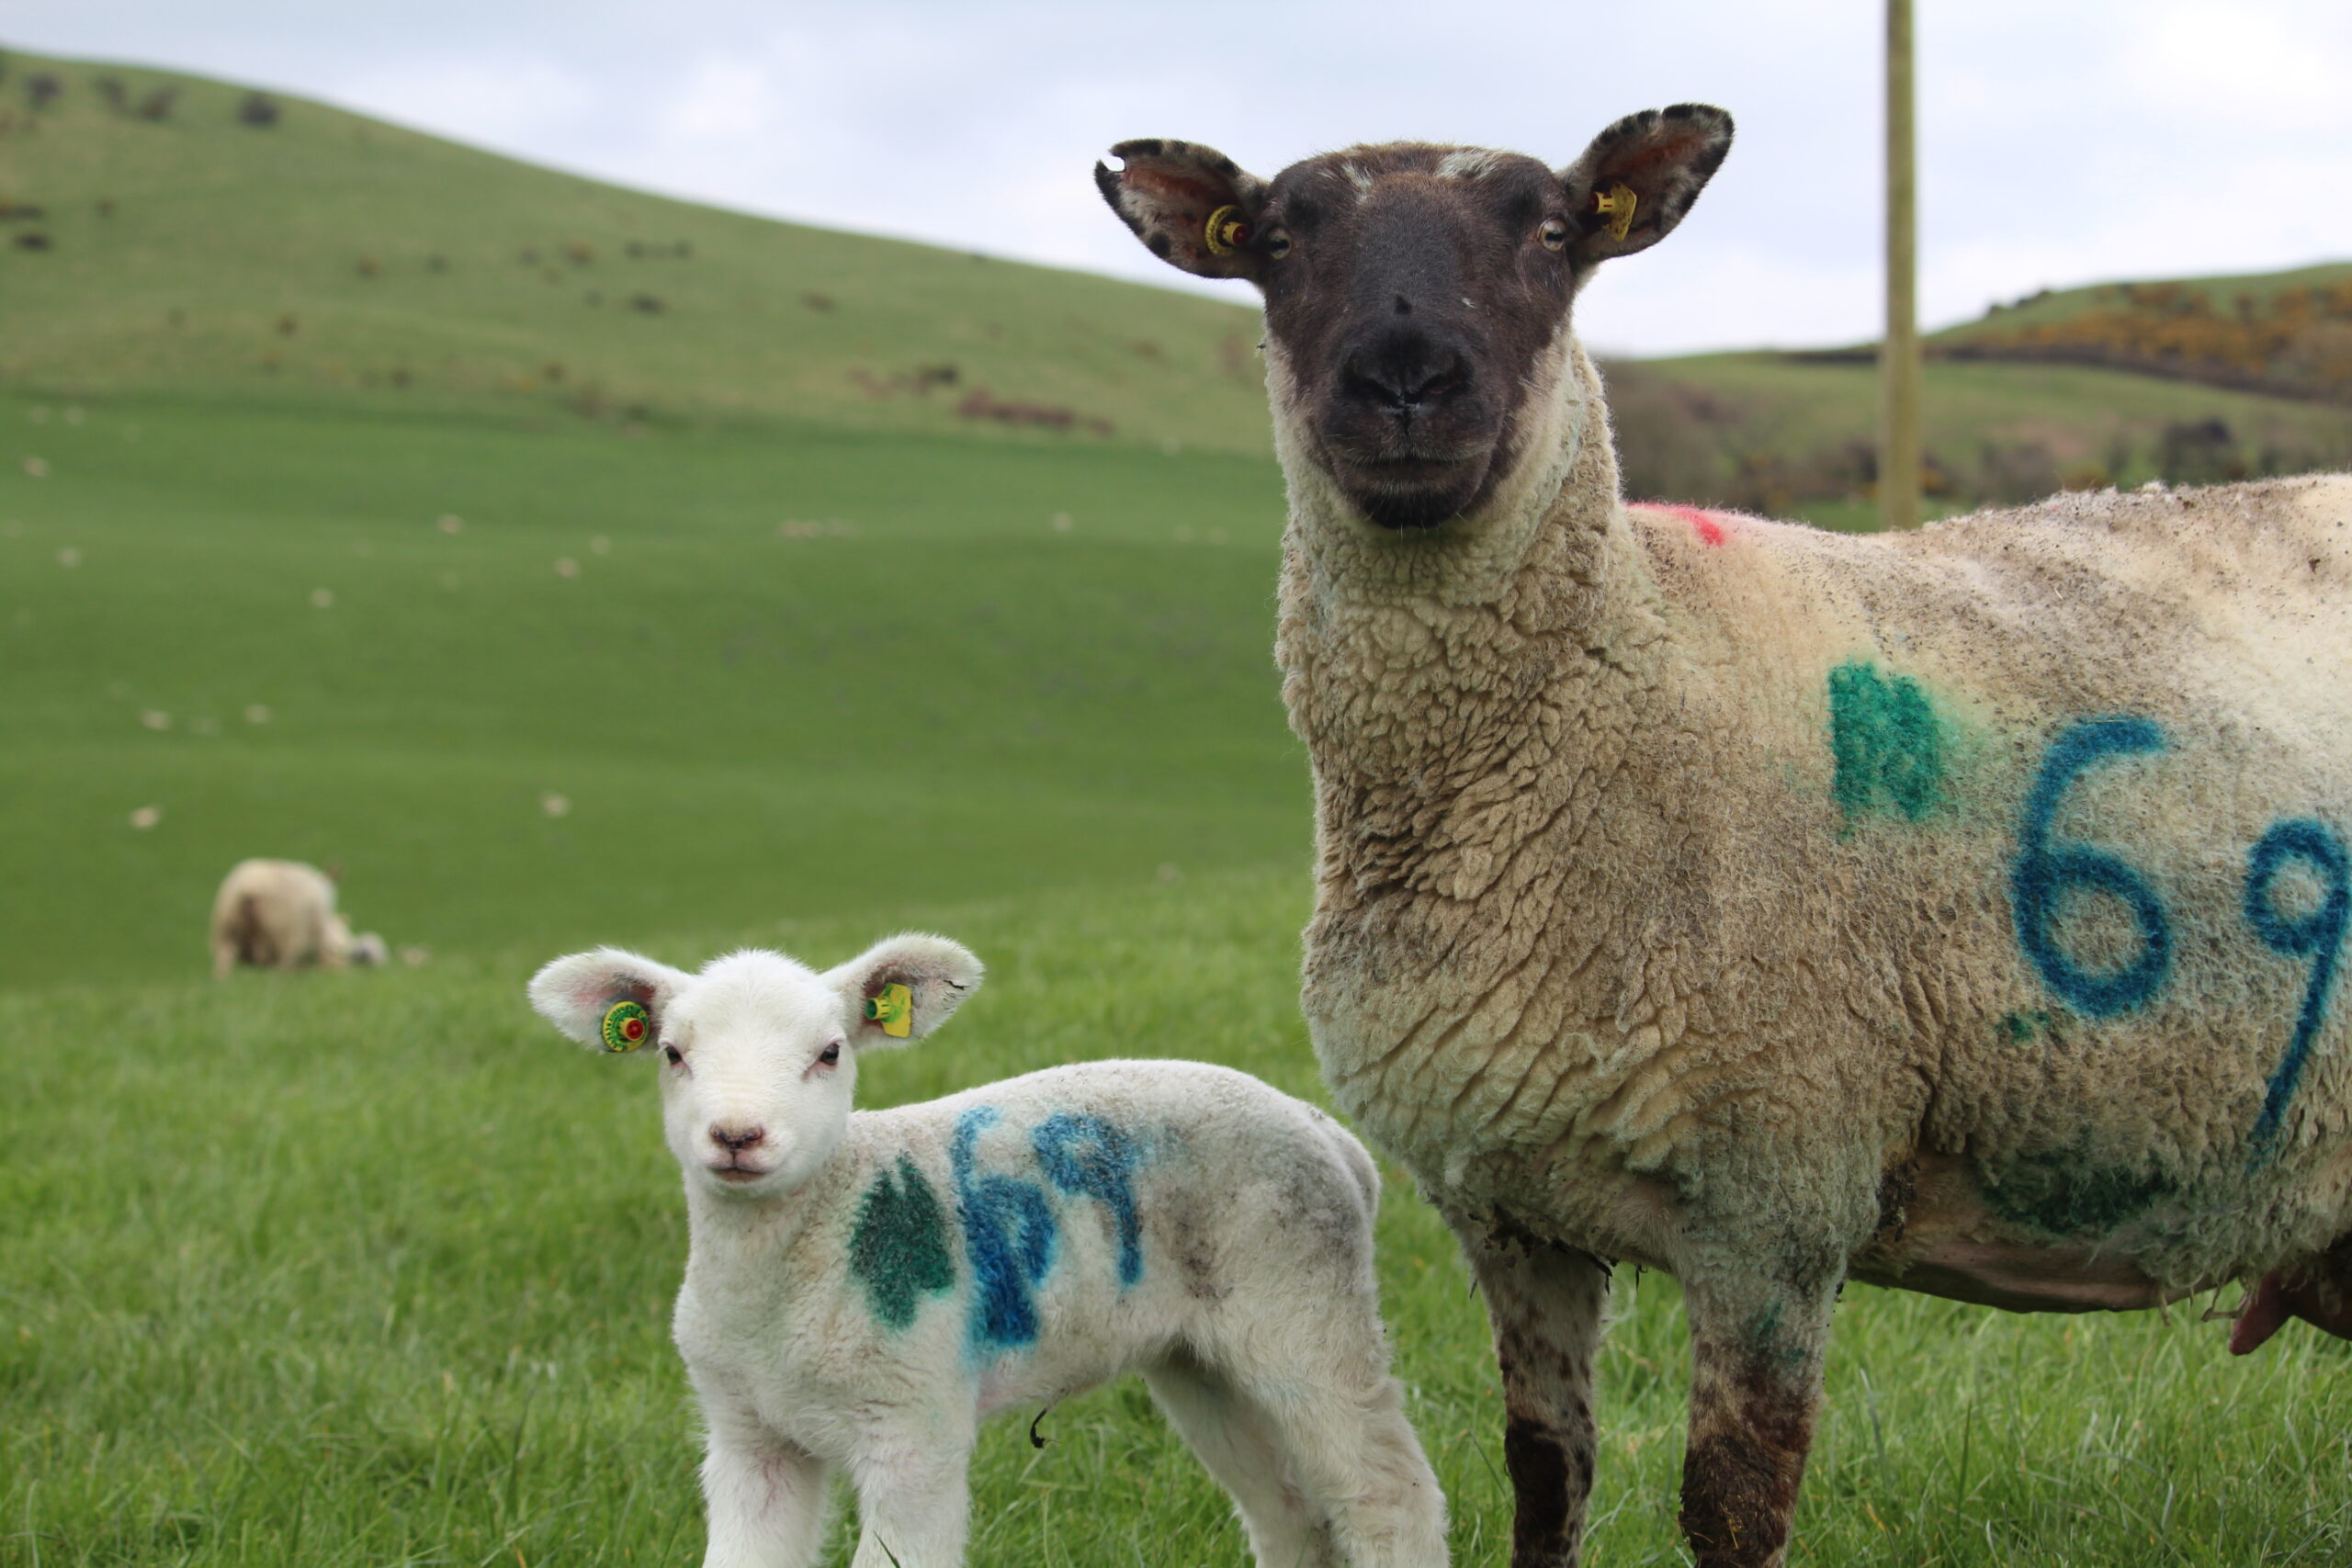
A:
<point x="2318" y="936"/>
<point x="2046" y="873"/>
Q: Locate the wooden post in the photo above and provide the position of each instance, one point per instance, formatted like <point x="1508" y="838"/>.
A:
<point x="1898" y="441"/>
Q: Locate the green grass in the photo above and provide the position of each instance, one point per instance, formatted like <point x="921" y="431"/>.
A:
<point x="335" y="258"/>
<point x="375" y="1268"/>
<point x="940" y="694"/>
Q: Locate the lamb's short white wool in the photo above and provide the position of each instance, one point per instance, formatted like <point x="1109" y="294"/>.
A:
<point x="279" y="914"/>
<point x="864" y="1288"/>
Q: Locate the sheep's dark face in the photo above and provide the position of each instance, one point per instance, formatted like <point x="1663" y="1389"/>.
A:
<point x="1413" y="292"/>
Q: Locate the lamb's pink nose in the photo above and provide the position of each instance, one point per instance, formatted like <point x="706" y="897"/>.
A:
<point x="736" y="1139"/>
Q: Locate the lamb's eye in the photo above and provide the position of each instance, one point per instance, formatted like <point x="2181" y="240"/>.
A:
<point x="1276" y="245"/>
<point x="670" y="1055"/>
<point x="831" y="1054"/>
<point x="1554" y="234"/>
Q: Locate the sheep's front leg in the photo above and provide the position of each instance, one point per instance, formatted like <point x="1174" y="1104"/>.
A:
<point x="1756" y="1347"/>
<point x="765" y="1496"/>
<point x="1545" y="1305"/>
<point x="913" y="1506"/>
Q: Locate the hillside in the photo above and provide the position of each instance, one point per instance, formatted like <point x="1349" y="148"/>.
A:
<point x="1795" y="435"/>
<point x="170" y="233"/>
<point x="2285" y="333"/>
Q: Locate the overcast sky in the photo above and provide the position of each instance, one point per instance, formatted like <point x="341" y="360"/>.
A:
<point x="2062" y="140"/>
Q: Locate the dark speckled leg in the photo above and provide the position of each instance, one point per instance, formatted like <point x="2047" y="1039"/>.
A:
<point x="1756" y="1348"/>
<point x="1546" y="1303"/>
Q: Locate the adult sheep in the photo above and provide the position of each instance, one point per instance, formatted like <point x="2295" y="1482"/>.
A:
<point x="1956" y="911"/>
<point x="279" y="914"/>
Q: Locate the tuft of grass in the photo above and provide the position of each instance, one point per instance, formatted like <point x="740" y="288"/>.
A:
<point x="375" y="1268"/>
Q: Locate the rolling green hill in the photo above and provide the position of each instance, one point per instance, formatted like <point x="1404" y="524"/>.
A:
<point x="324" y="258"/>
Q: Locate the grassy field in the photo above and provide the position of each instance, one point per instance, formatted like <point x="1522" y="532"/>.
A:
<point x="791" y="671"/>
<point x="375" y="1270"/>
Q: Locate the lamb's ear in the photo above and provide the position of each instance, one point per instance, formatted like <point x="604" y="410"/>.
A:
<point x="1639" y="176"/>
<point x="577" y="995"/>
<point x="1192" y="206"/>
<point x="903" y="988"/>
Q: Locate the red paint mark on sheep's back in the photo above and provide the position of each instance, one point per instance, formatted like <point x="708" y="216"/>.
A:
<point x="1713" y="528"/>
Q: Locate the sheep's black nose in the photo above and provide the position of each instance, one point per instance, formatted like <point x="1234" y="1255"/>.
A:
<point x="1403" y="375"/>
<point x="737" y="1138"/>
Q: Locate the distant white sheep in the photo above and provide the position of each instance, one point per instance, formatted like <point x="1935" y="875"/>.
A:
<point x="864" y="1288"/>
<point x="279" y="914"/>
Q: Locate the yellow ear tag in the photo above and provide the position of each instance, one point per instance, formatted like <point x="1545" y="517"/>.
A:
<point x="627" y="1024"/>
<point x="1617" y="204"/>
<point x="894" y="1010"/>
<point x="1226" y="231"/>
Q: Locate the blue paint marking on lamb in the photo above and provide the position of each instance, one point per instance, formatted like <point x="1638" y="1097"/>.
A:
<point x="1009" y="1234"/>
<point x="2317" y="936"/>
<point x="2046" y="871"/>
<point x="1091" y="1158"/>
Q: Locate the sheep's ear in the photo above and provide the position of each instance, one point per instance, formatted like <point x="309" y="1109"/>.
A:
<point x="1192" y="206"/>
<point x="1639" y="176"/>
<point x="576" y="993"/>
<point x="903" y="988"/>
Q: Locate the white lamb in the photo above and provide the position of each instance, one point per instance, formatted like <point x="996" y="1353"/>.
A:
<point x="279" y="914"/>
<point x="863" y="1288"/>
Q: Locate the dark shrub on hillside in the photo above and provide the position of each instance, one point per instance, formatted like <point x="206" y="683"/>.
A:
<point x="258" y="110"/>
<point x="1670" y="435"/>
<point x="157" y="105"/>
<point x="2198" y="452"/>
<point x="2011" y="472"/>
<point x="42" y="89"/>
<point x="648" y="303"/>
<point x="113" y="94"/>
<point x="32" y="240"/>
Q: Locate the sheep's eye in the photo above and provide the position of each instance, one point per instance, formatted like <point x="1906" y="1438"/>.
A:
<point x="670" y="1054"/>
<point x="831" y="1054"/>
<point x="1554" y="234"/>
<point x="1276" y="243"/>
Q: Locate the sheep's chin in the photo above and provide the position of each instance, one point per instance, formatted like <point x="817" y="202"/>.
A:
<point x="736" y="1181"/>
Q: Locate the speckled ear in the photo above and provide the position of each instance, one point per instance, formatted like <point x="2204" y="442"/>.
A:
<point x="936" y="975"/>
<point x="1639" y="176"/>
<point x="575" y="993"/>
<point x="1192" y="206"/>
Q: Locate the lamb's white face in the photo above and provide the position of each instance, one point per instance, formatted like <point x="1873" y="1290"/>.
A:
<point x="757" y="1054"/>
<point x="756" y="1073"/>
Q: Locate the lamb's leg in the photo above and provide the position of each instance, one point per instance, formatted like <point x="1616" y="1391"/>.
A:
<point x="1235" y="1444"/>
<point x="1756" y="1347"/>
<point x="765" y="1496"/>
<point x="1544" y="1303"/>
<point x="913" y="1503"/>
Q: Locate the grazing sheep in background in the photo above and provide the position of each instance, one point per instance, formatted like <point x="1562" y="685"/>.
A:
<point x="864" y="1288"/>
<point x="279" y="914"/>
<point x="1956" y="911"/>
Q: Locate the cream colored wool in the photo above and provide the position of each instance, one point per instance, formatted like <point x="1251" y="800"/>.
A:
<point x="1595" y="942"/>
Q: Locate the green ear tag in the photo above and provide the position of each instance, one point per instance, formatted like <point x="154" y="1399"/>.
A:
<point x="627" y="1026"/>
<point x="894" y="1010"/>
